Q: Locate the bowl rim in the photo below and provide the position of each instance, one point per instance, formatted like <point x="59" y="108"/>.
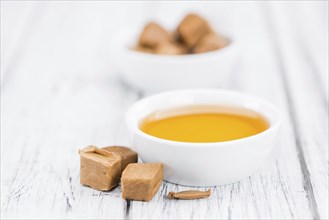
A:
<point x="183" y="57"/>
<point x="126" y="48"/>
<point x="272" y="128"/>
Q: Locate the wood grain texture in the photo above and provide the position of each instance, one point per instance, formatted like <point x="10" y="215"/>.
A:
<point x="47" y="115"/>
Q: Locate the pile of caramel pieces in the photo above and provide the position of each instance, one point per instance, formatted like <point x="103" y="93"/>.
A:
<point x="193" y="35"/>
<point x="104" y="168"/>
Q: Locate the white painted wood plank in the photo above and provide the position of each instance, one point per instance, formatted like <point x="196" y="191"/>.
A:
<point x="311" y="32"/>
<point x="309" y="111"/>
<point x="44" y="136"/>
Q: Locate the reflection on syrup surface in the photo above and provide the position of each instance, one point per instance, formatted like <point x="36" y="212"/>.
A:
<point x="204" y="123"/>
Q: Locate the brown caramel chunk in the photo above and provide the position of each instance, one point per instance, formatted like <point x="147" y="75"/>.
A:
<point x="141" y="181"/>
<point x="192" y="29"/>
<point x="210" y="42"/>
<point x="152" y="35"/>
<point x="189" y="194"/>
<point x="99" y="169"/>
<point x="143" y="49"/>
<point x="169" y="48"/>
<point x="127" y="155"/>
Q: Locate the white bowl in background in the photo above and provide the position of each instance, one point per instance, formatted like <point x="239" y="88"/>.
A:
<point x="204" y="164"/>
<point x="152" y="73"/>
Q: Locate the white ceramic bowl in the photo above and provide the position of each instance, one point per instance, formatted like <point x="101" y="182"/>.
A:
<point x="204" y="164"/>
<point x="152" y="73"/>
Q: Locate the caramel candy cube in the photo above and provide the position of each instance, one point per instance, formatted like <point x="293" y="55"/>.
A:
<point x="210" y="42"/>
<point x="192" y="29"/>
<point x="99" y="169"/>
<point x="141" y="181"/>
<point x="143" y="49"/>
<point x="127" y="155"/>
<point x="169" y="48"/>
<point x="152" y="35"/>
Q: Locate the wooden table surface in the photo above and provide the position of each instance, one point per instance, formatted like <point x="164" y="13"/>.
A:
<point x="52" y="104"/>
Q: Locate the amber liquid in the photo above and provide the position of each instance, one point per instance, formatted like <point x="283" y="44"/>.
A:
<point x="204" y="124"/>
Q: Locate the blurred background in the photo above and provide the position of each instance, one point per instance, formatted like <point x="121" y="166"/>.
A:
<point x="74" y="37"/>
